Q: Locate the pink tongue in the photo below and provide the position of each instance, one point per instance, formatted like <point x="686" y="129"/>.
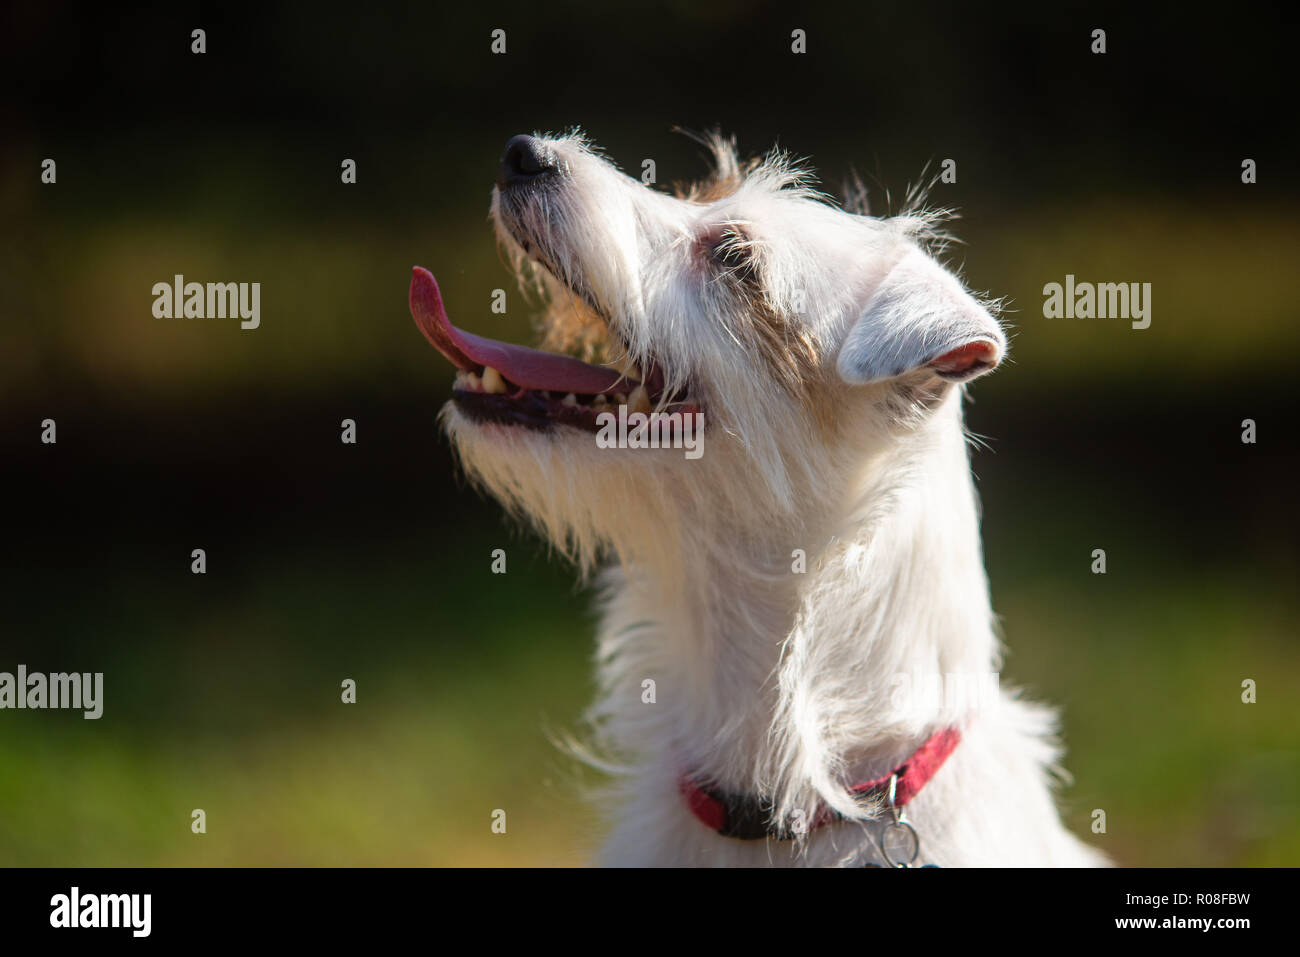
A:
<point x="530" y="368"/>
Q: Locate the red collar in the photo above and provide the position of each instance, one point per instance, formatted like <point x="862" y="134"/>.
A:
<point x="749" y="818"/>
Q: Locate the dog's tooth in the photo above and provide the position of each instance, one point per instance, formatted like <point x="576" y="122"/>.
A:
<point x="569" y="399"/>
<point x="600" y="402"/>
<point x="620" y="398"/>
<point x="492" y="381"/>
<point x="473" y="382"/>
<point x="639" y="400"/>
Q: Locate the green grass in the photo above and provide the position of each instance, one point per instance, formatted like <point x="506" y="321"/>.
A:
<point x="1149" y="678"/>
<point x="450" y="724"/>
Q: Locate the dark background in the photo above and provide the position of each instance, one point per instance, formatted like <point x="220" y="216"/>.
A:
<point x="328" y="561"/>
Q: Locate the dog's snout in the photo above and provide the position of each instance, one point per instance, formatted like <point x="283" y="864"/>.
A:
<point x="526" y="160"/>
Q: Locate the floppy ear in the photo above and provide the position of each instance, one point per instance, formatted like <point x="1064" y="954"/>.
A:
<point x="920" y="316"/>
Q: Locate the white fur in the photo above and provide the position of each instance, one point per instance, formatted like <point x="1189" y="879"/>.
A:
<point x="772" y="682"/>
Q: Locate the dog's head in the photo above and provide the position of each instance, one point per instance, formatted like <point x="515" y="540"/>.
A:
<point x="798" y="332"/>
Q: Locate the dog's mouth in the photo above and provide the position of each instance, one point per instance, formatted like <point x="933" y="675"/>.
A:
<point x="509" y="384"/>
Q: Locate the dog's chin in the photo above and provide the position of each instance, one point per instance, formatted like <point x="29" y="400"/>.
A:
<point x="583" y="499"/>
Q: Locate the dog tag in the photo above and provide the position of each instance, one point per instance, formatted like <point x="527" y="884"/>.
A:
<point x="899" y="843"/>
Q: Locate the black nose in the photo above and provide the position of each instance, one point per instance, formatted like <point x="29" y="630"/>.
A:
<point x="526" y="160"/>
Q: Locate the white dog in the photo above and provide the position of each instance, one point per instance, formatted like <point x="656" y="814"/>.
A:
<point x="797" y="646"/>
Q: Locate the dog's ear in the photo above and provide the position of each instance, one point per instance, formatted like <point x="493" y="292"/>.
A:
<point x="920" y="316"/>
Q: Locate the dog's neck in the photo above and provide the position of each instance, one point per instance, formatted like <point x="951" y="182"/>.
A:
<point x="783" y="674"/>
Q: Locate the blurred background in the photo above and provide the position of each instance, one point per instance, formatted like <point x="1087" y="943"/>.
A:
<point x="371" y="562"/>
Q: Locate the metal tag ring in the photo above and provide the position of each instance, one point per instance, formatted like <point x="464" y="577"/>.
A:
<point x="916" y="843"/>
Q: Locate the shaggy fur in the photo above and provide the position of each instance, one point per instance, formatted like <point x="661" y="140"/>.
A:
<point x="827" y="350"/>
